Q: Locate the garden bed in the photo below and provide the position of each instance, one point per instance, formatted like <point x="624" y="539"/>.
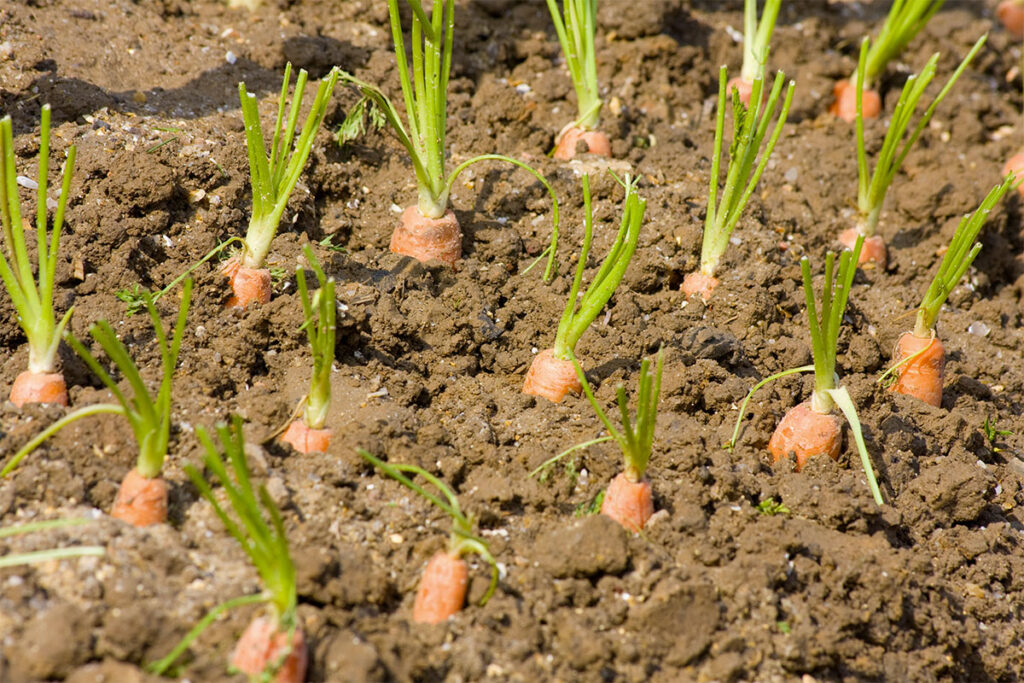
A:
<point x="430" y="360"/>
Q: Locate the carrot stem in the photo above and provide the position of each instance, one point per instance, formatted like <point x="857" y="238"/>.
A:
<point x="750" y="394"/>
<point x="576" y="35"/>
<point x="842" y="399"/>
<point x="320" y="332"/>
<point x="905" y="20"/>
<point x="757" y="36"/>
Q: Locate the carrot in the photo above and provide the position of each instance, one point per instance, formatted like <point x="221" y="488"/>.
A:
<point x="699" y="283"/>
<point x="141" y="501"/>
<point x="809" y="429"/>
<point x="39" y="387"/>
<point x="845" y="103"/>
<point x="628" y="499"/>
<point x="919" y="357"/>
<point x="442" y="590"/>
<point x="743" y="86"/>
<point x="265" y="648"/>
<point x="630" y="503"/>
<point x="551" y="378"/>
<point x="305" y="439"/>
<point x="248" y="285"/>
<point x="596" y="141"/>
<point x="805" y="433"/>
<point x="921" y="364"/>
<point x="33" y="297"/>
<point x="551" y="374"/>
<point x="1015" y="165"/>
<point x="874" y="249"/>
<point x="1010" y="14"/>
<point x="426" y="239"/>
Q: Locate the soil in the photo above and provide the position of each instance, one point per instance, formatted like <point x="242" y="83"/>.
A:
<point x="430" y="360"/>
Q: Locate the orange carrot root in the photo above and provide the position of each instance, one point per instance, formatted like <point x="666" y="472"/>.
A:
<point x="1010" y="14"/>
<point x="442" y="589"/>
<point x="922" y="376"/>
<point x="428" y="238"/>
<point x="306" y="440"/>
<point x="551" y="378"/>
<point x="263" y="644"/>
<point x="744" y="87"/>
<point x="1016" y="162"/>
<point x="873" y="250"/>
<point x="39" y="387"/>
<point x="629" y="503"/>
<point x="845" y="104"/>
<point x="806" y="433"/>
<point x="248" y="284"/>
<point x="141" y="501"/>
<point x="597" y="143"/>
<point x="699" y="283"/>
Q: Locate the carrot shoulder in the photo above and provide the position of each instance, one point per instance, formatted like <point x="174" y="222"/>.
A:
<point x="141" y="501"/>
<point x="248" y="285"/>
<point x="597" y="142"/>
<point x="806" y="434"/>
<point x="263" y="646"/>
<point x="920" y="377"/>
<point x="39" y="387"/>
<point x="551" y="378"/>
<point x="845" y="104"/>
<point x="428" y="238"/>
<point x="305" y="439"/>
<point x="442" y="589"/>
<point x="629" y="503"/>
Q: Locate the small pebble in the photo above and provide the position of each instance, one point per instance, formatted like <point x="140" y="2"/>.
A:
<point x="978" y="328"/>
<point x="231" y="57"/>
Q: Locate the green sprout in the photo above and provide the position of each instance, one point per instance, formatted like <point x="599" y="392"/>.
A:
<point x="149" y="417"/>
<point x="825" y="321"/>
<point x="319" y="312"/>
<point x="265" y="542"/>
<point x="425" y="93"/>
<point x="576" y="34"/>
<point x="462" y="540"/>
<point x="750" y="126"/>
<point x="771" y="507"/>
<point x="636" y="438"/>
<point x="581" y="310"/>
<point x="37" y="556"/>
<point x="273" y="178"/>
<point x="905" y="20"/>
<point x="992" y="433"/>
<point x="33" y="301"/>
<point x="873" y="185"/>
<point x="757" y="37"/>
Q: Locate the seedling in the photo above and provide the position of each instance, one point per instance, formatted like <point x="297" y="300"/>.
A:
<point x="771" y="507"/>
<point x="33" y="299"/>
<point x="757" y="38"/>
<point x="992" y="433"/>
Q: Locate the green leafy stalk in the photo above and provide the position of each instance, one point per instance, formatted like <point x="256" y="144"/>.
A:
<point x="320" y="331"/>
<point x="962" y="251"/>
<point x="37" y="556"/>
<point x="265" y="542"/>
<point x="576" y="34"/>
<point x="577" y="317"/>
<point x="750" y="126"/>
<point x="463" y="540"/>
<point x="274" y="177"/>
<point x="635" y="439"/>
<point x="757" y="37"/>
<point x="826" y="320"/>
<point x="905" y="20"/>
<point x="33" y="301"/>
<point x="872" y="186"/>
<point x="425" y="94"/>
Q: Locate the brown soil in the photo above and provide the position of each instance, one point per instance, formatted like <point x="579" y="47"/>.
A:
<point x="430" y="361"/>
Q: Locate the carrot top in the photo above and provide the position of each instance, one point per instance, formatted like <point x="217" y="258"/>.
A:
<point x="32" y="301"/>
<point x="320" y="331"/>
<point x="36" y="556"/>
<point x="463" y="540"/>
<point x="578" y="316"/>
<point x="635" y="439"/>
<point x="905" y="20"/>
<point x="749" y="128"/>
<point x="576" y="35"/>
<point x="757" y="36"/>
<point x="872" y="187"/>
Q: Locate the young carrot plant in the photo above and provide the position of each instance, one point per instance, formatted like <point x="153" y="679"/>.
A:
<point x="33" y="301"/>
<point x="443" y="587"/>
<point x="428" y="230"/>
<point x="37" y="556"/>
<point x="810" y="429"/>
<point x="142" y="498"/>
<point x="905" y="20"/>
<point x="551" y="374"/>
<point x="576" y="26"/>
<point x="272" y="647"/>
<point x="309" y="433"/>
<point x="629" y="500"/>
<point x="872" y="186"/>
<point x="273" y="179"/>
<point x="920" y="358"/>
<point x="757" y="38"/>
<point x="749" y="128"/>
